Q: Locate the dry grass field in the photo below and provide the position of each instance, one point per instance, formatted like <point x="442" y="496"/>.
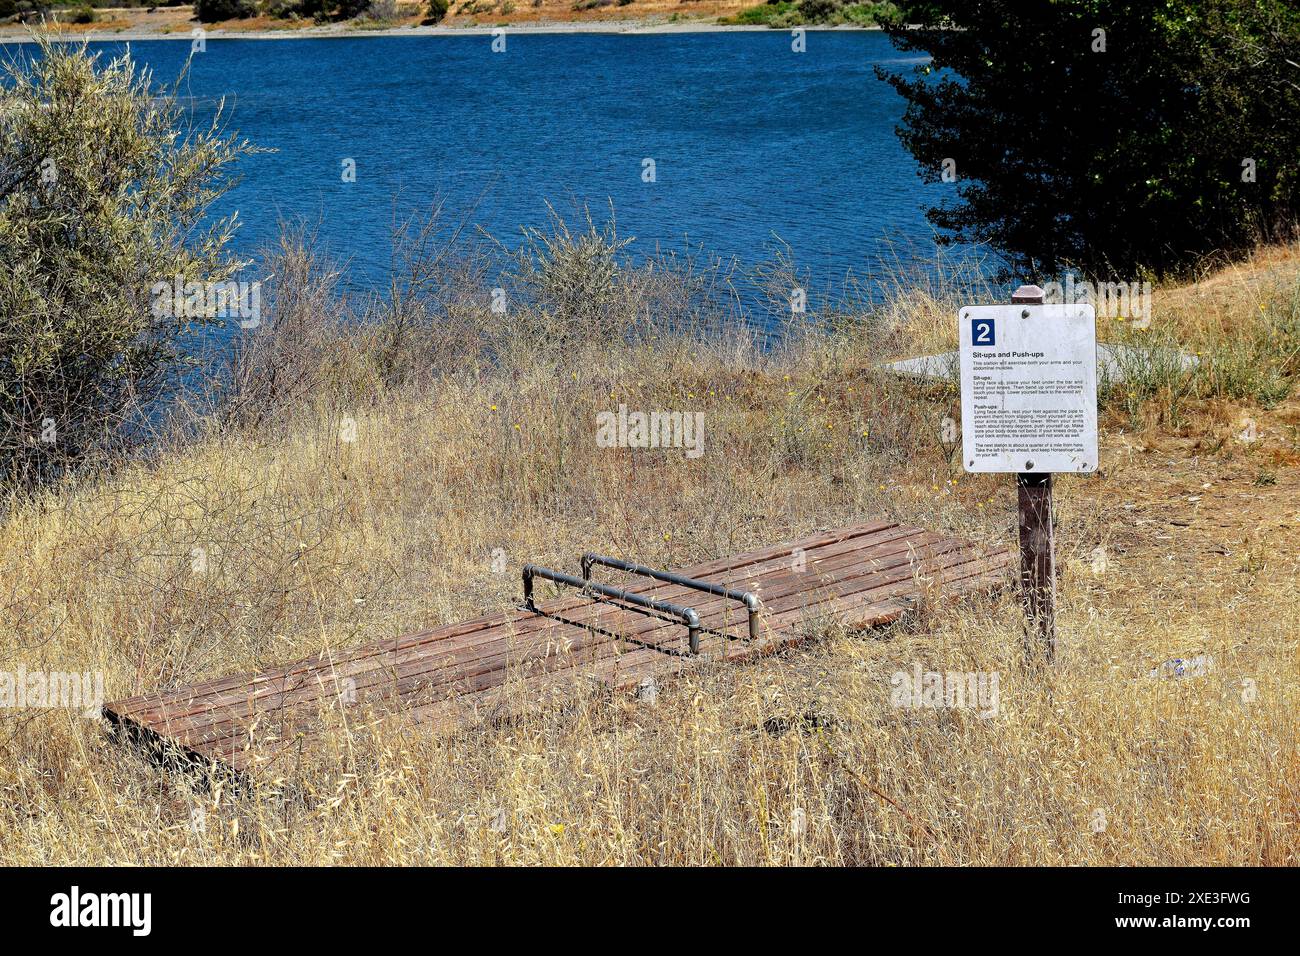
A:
<point x="1184" y="546"/>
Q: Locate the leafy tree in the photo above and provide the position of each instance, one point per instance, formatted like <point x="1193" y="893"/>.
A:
<point x="104" y="192"/>
<point x="1107" y="134"/>
<point x="437" y="11"/>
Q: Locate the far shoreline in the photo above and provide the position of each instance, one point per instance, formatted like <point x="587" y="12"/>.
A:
<point x="629" y="27"/>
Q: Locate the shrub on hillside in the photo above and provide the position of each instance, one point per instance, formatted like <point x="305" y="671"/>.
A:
<point x="350" y="9"/>
<point x="819" y="11"/>
<point x="214" y="11"/>
<point x="31" y="11"/>
<point x="103" y="196"/>
<point x="297" y="9"/>
<point x="380" y="10"/>
<point x="437" y="11"/>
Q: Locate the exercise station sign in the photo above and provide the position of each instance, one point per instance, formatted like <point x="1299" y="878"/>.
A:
<point x="1029" y="388"/>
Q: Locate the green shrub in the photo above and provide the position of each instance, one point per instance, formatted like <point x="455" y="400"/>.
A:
<point x="105" y="194"/>
<point x="868" y="14"/>
<point x="380" y="11"/>
<point x="296" y="9"/>
<point x="780" y="13"/>
<point x="31" y="11"/>
<point x="84" y="14"/>
<point x="818" y="11"/>
<point x="213" y="11"/>
<point x="437" y="11"/>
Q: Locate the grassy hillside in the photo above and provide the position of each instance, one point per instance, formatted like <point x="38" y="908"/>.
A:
<point x="472" y="436"/>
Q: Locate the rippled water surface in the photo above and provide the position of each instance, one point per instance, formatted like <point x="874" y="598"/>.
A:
<point x="749" y="140"/>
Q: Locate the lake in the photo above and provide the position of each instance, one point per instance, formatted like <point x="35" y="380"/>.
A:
<point x="749" y="141"/>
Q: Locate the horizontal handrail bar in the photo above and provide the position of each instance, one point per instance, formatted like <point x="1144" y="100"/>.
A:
<point x="687" y="615"/>
<point x="749" y="599"/>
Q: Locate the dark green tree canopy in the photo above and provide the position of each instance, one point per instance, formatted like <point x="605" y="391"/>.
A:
<point x="1107" y="135"/>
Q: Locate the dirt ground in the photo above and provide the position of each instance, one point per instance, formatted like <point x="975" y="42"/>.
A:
<point x="141" y="22"/>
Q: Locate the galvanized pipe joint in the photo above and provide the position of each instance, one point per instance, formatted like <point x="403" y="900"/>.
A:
<point x="686" y="615"/>
<point x="749" y="599"/>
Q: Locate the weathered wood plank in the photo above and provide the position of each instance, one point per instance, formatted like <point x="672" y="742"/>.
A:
<point x="862" y="576"/>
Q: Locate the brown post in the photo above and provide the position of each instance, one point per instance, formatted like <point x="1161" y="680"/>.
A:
<point x="1037" y="540"/>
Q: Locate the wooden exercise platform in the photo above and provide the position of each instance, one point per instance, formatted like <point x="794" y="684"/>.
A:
<point x="867" y="575"/>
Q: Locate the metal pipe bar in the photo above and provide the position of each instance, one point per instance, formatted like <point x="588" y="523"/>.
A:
<point x="747" y="598"/>
<point x="687" y="615"/>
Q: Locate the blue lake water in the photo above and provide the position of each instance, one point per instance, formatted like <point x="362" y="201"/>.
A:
<point x="750" y="141"/>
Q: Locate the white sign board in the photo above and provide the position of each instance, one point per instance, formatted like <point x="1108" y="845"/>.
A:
<point x="1029" y="388"/>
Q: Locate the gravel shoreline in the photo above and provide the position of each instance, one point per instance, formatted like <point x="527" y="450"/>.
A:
<point x="343" y="30"/>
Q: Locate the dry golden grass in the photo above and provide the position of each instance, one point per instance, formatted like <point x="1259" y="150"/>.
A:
<point x="314" y="542"/>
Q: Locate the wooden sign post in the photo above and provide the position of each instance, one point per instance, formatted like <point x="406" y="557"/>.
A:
<point x="1037" y="538"/>
<point x="1029" y="407"/>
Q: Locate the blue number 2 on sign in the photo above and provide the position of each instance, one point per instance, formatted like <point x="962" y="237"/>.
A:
<point x="981" y="332"/>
